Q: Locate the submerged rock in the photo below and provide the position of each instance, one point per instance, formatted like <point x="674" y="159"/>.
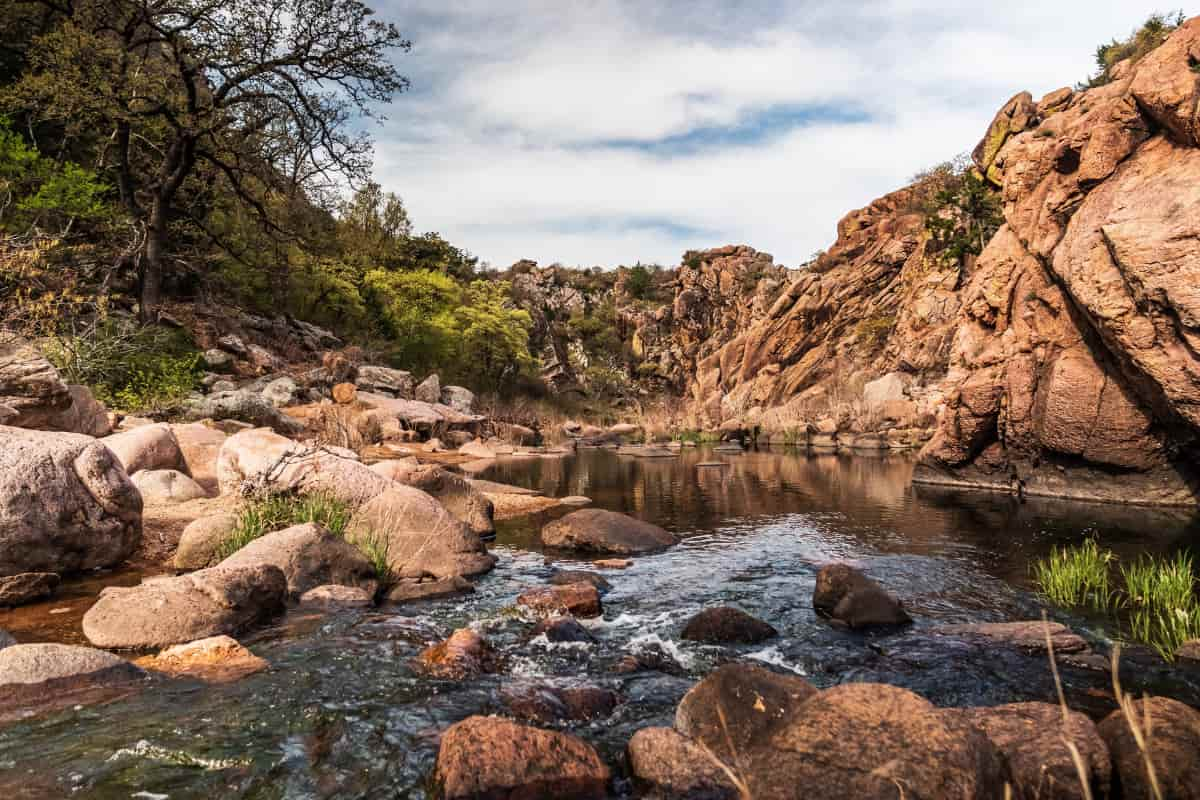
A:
<point x="408" y="591"/>
<point x="1029" y="635"/>
<point x="217" y="659"/>
<point x="563" y="577"/>
<point x="846" y="595"/>
<point x="487" y="757"/>
<point x="595" y="530"/>
<point x="726" y="624"/>
<point x="670" y="766"/>
<point x="309" y="556"/>
<point x="66" y="504"/>
<point x="165" y="611"/>
<point x="547" y="704"/>
<point x="26" y="587"/>
<point x="577" y="599"/>
<point x="1172" y="731"/>
<point x="464" y="655"/>
<point x="563" y="629"/>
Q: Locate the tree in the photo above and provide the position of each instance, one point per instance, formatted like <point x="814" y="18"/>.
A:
<point x="253" y="98"/>
<point x="962" y="211"/>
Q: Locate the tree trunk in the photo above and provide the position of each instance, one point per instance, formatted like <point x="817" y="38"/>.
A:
<point x="152" y="258"/>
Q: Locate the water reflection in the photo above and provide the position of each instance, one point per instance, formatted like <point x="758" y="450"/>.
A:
<point x="867" y="498"/>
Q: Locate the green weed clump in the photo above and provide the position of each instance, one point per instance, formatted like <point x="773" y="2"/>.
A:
<point x="1077" y="576"/>
<point x="1157" y="600"/>
<point x="1164" y="611"/>
<point x="275" y="512"/>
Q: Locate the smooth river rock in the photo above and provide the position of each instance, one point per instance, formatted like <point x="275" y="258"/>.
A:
<point x="1174" y="736"/>
<point x="66" y="504"/>
<point x="166" y="611"/>
<point x="847" y="596"/>
<point x="727" y="625"/>
<point x="309" y="556"/>
<point x="594" y="530"/>
<point x="669" y="766"/>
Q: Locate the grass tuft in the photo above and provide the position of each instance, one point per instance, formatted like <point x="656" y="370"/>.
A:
<point x="274" y="512"/>
<point x="1158" y="596"/>
<point x="1077" y="576"/>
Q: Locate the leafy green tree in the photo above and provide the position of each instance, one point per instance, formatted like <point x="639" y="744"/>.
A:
<point x="492" y="338"/>
<point x="253" y="99"/>
<point x="415" y="313"/>
<point x="639" y="282"/>
<point x="962" y="211"/>
<point x="34" y="190"/>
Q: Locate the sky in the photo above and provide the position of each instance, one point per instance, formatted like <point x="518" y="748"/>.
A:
<point x="607" y="132"/>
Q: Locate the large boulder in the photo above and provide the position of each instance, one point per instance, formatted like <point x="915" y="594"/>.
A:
<point x="847" y="596"/>
<point x="282" y="392"/>
<point x="146" y="447"/>
<point x="872" y="740"/>
<point x="669" y="766"/>
<point x="264" y="461"/>
<point x="737" y="708"/>
<point x="455" y="492"/>
<point x="85" y="414"/>
<point x="200" y="446"/>
<point x="1171" y="731"/>
<point x="419" y="536"/>
<point x="65" y="504"/>
<point x="725" y="624"/>
<point x="166" y="486"/>
<point x="389" y="381"/>
<point x="429" y="390"/>
<point x="165" y="611"/>
<point x="309" y="556"/>
<point x="488" y="757"/>
<point x="458" y="398"/>
<point x="594" y="530"/>
<point x="242" y="405"/>
<point x="1033" y="738"/>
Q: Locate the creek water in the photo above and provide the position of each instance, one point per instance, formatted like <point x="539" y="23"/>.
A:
<point x="342" y="714"/>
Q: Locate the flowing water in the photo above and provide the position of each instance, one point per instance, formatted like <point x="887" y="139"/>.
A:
<point x="342" y="714"/>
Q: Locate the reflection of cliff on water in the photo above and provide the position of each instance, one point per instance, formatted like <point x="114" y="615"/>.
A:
<point x="866" y="497"/>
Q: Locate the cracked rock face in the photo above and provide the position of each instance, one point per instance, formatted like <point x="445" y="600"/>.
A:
<point x="1078" y="351"/>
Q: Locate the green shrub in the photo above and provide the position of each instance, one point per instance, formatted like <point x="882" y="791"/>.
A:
<point x="274" y="512"/>
<point x="141" y="369"/>
<point x="962" y="209"/>
<point x="1141" y="42"/>
<point x="874" y="331"/>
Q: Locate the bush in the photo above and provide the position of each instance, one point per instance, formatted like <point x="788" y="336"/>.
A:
<point x="962" y="210"/>
<point x="139" y="369"/>
<point x="1141" y="42"/>
<point x="874" y="331"/>
<point x="639" y="282"/>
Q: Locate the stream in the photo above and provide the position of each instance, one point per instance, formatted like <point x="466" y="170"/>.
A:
<point x="342" y="714"/>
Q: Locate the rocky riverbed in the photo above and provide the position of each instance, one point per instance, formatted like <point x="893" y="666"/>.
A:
<point x="612" y="668"/>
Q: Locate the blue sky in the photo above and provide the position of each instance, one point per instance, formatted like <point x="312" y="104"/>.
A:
<point x="605" y="132"/>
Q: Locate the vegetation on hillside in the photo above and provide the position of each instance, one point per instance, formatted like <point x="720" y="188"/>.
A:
<point x="962" y="210"/>
<point x="1152" y="33"/>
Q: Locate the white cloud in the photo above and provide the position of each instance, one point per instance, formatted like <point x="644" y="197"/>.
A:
<point x="506" y="145"/>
